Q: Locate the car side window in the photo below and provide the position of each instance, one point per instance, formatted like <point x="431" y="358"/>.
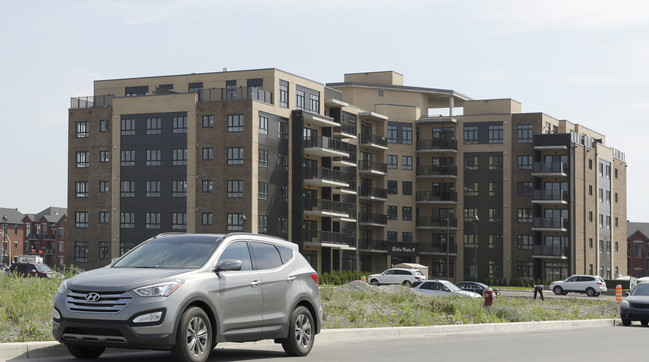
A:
<point x="571" y="279"/>
<point x="427" y="286"/>
<point x="401" y="272"/>
<point x="265" y="256"/>
<point x="238" y="250"/>
<point x="285" y="253"/>
<point x="389" y="272"/>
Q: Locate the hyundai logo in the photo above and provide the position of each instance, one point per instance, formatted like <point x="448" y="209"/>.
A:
<point x="93" y="297"/>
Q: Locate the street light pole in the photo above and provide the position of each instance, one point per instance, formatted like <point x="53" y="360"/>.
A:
<point x="475" y="242"/>
<point x="4" y="237"/>
<point x="448" y="242"/>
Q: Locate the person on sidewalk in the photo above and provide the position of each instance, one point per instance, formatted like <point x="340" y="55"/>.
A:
<point x="538" y="289"/>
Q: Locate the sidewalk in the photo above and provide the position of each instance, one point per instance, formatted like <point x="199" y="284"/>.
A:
<point x="9" y="351"/>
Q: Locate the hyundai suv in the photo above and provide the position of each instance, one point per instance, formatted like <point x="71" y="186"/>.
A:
<point x="187" y="292"/>
<point x="397" y="276"/>
<point x="592" y="285"/>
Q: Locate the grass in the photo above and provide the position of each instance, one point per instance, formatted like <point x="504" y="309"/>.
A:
<point x="26" y="308"/>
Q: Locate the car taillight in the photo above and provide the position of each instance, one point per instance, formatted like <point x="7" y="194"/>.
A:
<point x="418" y="277"/>
<point x="600" y="283"/>
<point x="315" y="277"/>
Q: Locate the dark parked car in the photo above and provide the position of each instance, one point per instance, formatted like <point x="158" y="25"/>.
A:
<point x="187" y="292"/>
<point x="635" y="307"/>
<point x="475" y="287"/>
<point x="32" y="270"/>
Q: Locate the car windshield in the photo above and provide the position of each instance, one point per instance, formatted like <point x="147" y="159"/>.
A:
<point x="43" y="268"/>
<point x="451" y="286"/>
<point x="641" y="289"/>
<point x="176" y="252"/>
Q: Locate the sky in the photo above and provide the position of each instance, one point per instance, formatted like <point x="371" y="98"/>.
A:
<point x="585" y="61"/>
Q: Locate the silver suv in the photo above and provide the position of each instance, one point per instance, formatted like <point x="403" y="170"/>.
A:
<point x="397" y="276"/>
<point x="592" y="285"/>
<point x="187" y="292"/>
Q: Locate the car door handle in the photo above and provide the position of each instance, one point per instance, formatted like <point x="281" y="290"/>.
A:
<point x="290" y="278"/>
<point x="255" y="283"/>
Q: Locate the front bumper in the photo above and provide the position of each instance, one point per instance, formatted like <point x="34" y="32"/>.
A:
<point x="634" y="314"/>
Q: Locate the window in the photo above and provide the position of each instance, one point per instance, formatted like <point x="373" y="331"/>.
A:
<point x="153" y="157"/>
<point x="235" y="222"/>
<point x="195" y="87"/>
<point x="496" y="134"/>
<point x="406" y="162"/>
<point x="406" y="134"/>
<point x="207" y="218"/>
<point x="525" y="162"/>
<point x="179" y="188"/>
<point x="299" y="99"/>
<point x="392" y="187"/>
<point x="406" y="213"/>
<point x="392" y="212"/>
<point x="235" y="123"/>
<point x="525" y="241"/>
<point x="179" y="221"/>
<point x="179" y="124"/>
<point x="400" y="133"/>
<point x="406" y="236"/>
<point x="380" y="93"/>
<point x="104" y="156"/>
<point x="127" y="188"/>
<point x="128" y="127"/>
<point x="393" y="161"/>
<point x="82" y="159"/>
<point x="230" y="89"/>
<point x="235" y="156"/>
<point x="282" y="196"/>
<point x="495" y="241"/>
<point x="207" y="186"/>
<point x="282" y="161"/>
<point x="81" y="219"/>
<point x="128" y="158"/>
<point x="314" y="102"/>
<point x="262" y="224"/>
<point x="524" y="188"/>
<point x="235" y="188"/>
<point x="104" y="125"/>
<point x="495" y="189"/>
<point x="263" y="158"/>
<point x="103" y="250"/>
<point x="104" y="186"/>
<point x="282" y="226"/>
<point x="152" y="220"/>
<point x="406" y="188"/>
<point x="136" y="91"/>
<point x="208" y="121"/>
<point x="262" y="190"/>
<point x="283" y="93"/>
<point x="393" y="134"/>
<point x="524" y="216"/>
<point x="104" y="217"/>
<point x="524" y="133"/>
<point x="80" y="251"/>
<point x="208" y="154"/>
<point x="470" y="189"/>
<point x="263" y="125"/>
<point x="153" y="189"/>
<point x="81" y="189"/>
<point x="470" y="162"/>
<point x="468" y="214"/>
<point x="495" y="215"/>
<point x="179" y="156"/>
<point x="83" y="129"/>
<point x="470" y="135"/>
<point x="495" y="162"/>
<point x="526" y="270"/>
<point x="125" y="246"/>
<point x="153" y="125"/>
<point x="127" y="220"/>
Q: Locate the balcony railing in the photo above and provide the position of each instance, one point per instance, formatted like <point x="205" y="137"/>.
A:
<point x="550" y="167"/>
<point x="551" y="251"/>
<point x="375" y="166"/>
<point x="367" y="244"/>
<point x="345" y="128"/>
<point x="326" y="143"/>
<point x="436" y="222"/>
<point x="91" y="101"/>
<point x="378" y="219"/>
<point x="550" y="195"/>
<point x="372" y="139"/>
<point x="326" y="206"/>
<point x="373" y="192"/>
<point x="235" y="94"/>
<point x="438" y="248"/>
<point x="325" y="174"/>
<point x="436" y="144"/>
<point x="435" y="170"/>
<point x="436" y="196"/>
<point x="550" y="223"/>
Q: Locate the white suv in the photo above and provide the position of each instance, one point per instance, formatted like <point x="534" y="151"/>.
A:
<point x="592" y="285"/>
<point x="397" y="276"/>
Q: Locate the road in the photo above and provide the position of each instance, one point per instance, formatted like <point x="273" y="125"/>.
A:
<point x="609" y="343"/>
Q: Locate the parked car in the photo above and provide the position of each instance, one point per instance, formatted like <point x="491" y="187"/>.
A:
<point x="475" y="287"/>
<point x="592" y="285"/>
<point x="635" y="307"/>
<point x="187" y="292"/>
<point x="396" y="276"/>
<point x="442" y="287"/>
<point x="32" y="270"/>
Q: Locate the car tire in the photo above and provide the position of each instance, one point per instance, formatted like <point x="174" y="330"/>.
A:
<point x="406" y="283"/>
<point x="85" y="352"/>
<point x="301" y="333"/>
<point x="591" y="292"/>
<point x="194" y="337"/>
<point x="374" y="282"/>
<point x="626" y="322"/>
<point x="557" y="290"/>
<point x="644" y="323"/>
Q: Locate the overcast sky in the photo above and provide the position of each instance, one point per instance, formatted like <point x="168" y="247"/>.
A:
<point x="583" y="61"/>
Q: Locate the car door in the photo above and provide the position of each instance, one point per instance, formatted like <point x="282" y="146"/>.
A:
<point x="239" y="296"/>
<point x="571" y="284"/>
<point x="387" y="277"/>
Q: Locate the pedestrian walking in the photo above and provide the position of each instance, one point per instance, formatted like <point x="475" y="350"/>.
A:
<point x="538" y="289"/>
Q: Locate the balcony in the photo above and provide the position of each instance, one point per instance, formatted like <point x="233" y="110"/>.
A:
<point x="345" y="130"/>
<point x="373" y="142"/>
<point x="235" y="94"/>
<point x="314" y="119"/>
<point x="438" y="248"/>
<point x="373" y="193"/>
<point x="550" y="224"/>
<point x="340" y="239"/>
<point x="324" y="147"/>
<point x="437" y="145"/>
<point x="379" y="220"/>
<point x="373" y="245"/>
<point x="91" y="101"/>
<point x="436" y="171"/>
<point x="435" y="222"/>
<point x="437" y="197"/>
<point x="550" y="251"/>
<point x="372" y="167"/>
<point x="550" y="197"/>
<point x="328" y="208"/>
<point x="325" y="177"/>
<point x="550" y="169"/>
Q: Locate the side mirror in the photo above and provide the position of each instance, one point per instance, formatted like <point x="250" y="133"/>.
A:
<point x="228" y="264"/>
<point x="626" y="294"/>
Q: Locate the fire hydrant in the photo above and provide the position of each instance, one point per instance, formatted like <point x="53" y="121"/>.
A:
<point x="488" y="297"/>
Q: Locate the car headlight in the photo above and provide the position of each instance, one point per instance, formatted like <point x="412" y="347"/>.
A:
<point x="63" y="287"/>
<point x="625" y="304"/>
<point x="159" y="290"/>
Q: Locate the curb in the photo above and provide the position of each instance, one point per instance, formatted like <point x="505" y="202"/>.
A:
<point x="9" y="351"/>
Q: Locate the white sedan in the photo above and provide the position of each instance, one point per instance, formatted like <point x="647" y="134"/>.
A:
<point x="442" y="287"/>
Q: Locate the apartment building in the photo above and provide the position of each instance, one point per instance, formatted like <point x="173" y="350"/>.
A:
<point x="361" y="174"/>
<point x="638" y="247"/>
